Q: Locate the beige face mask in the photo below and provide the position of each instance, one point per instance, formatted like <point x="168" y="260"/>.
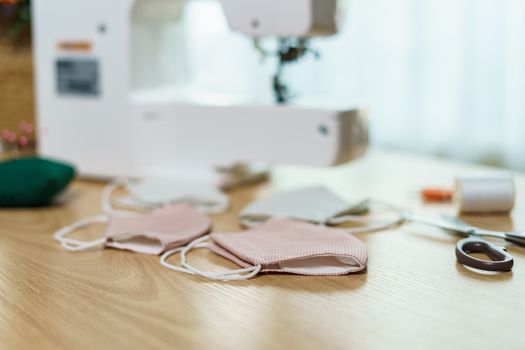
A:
<point x="279" y="245"/>
<point x="317" y="205"/>
<point x="152" y="233"/>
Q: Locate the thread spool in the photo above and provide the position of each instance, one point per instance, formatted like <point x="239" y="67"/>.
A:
<point x="485" y="194"/>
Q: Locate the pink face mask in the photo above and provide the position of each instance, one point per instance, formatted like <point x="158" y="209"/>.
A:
<point x="279" y="245"/>
<point x="152" y="233"/>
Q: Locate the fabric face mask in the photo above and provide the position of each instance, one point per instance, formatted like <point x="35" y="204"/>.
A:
<point x="151" y="193"/>
<point x="279" y="245"/>
<point x="317" y="205"/>
<point x="152" y="233"/>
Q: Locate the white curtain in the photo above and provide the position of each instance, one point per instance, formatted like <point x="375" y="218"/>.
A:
<point x="442" y="77"/>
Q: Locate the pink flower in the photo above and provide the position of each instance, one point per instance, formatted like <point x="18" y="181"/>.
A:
<point x="11" y="138"/>
<point x="23" y="141"/>
<point x="26" y="127"/>
<point x="6" y="133"/>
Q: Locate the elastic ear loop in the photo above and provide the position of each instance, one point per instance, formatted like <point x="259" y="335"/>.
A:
<point x="251" y="223"/>
<point x="218" y="208"/>
<point x="373" y="227"/>
<point x="164" y="257"/>
<point x="345" y="219"/>
<point x="74" y="244"/>
<point x="233" y="275"/>
<point x="132" y="203"/>
<point x="126" y="202"/>
<point x="108" y="190"/>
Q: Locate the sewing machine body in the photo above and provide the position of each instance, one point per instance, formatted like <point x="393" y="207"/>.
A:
<point x="110" y="99"/>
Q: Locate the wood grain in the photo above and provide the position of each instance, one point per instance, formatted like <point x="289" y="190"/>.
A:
<point x="16" y="85"/>
<point x="413" y="295"/>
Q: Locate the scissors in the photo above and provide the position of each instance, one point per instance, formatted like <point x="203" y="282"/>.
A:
<point x="501" y="260"/>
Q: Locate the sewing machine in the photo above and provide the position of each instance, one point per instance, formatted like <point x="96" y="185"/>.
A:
<point x="113" y="100"/>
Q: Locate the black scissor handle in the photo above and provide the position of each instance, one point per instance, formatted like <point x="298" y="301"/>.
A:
<point x="501" y="260"/>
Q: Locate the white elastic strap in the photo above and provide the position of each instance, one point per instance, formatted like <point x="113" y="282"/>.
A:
<point x="137" y="204"/>
<point x="381" y="203"/>
<point x="108" y="190"/>
<point x="373" y="225"/>
<point x="131" y="203"/>
<point x="233" y="275"/>
<point x="164" y="259"/>
<point x="74" y="244"/>
<point x="251" y="223"/>
<point x="217" y="208"/>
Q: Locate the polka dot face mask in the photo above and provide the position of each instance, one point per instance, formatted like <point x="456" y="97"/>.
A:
<point x="152" y="233"/>
<point x="281" y="246"/>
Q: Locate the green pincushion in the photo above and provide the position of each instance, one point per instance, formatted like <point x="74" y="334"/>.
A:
<point x="31" y="182"/>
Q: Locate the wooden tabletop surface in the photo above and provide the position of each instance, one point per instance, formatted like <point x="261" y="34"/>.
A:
<point x="413" y="296"/>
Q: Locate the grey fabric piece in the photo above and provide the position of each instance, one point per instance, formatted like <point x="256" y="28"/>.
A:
<point x="312" y="204"/>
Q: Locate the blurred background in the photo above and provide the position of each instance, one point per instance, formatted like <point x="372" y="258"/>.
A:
<point x="16" y="72"/>
<point x="440" y="77"/>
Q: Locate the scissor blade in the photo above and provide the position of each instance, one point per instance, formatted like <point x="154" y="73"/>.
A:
<point x="517" y="238"/>
<point x="444" y="225"/>
<point x="460" y="224"/>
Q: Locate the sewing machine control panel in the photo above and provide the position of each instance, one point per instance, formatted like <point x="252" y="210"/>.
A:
<point x="78" y="76"/>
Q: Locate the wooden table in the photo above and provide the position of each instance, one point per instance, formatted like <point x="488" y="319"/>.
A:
<point x="413" y="296"/>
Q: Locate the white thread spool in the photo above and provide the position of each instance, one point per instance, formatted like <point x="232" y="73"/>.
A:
<point x="485" y="194"/>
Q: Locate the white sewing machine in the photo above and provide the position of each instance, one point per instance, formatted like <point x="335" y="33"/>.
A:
<point x="110" y="99"/>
